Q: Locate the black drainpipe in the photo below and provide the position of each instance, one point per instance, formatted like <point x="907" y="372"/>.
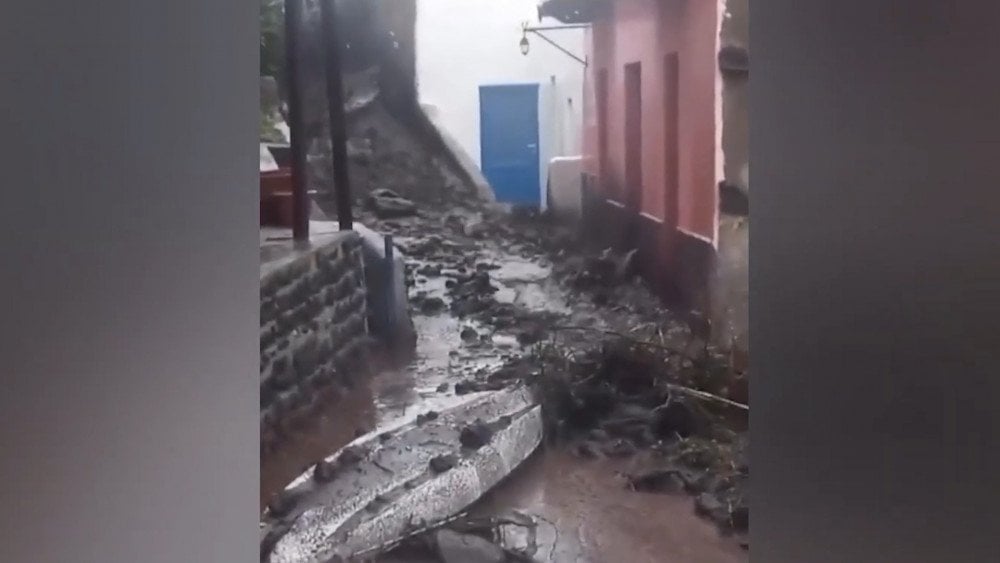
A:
<point x="296" y="126"/>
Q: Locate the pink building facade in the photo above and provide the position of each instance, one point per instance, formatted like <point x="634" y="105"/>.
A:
<point x="665" y="130"/>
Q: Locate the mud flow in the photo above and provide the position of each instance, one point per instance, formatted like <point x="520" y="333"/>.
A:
<point x="644" y="457"/>
<point x="552" y="408"/>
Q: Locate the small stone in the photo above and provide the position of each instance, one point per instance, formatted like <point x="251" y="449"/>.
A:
<point x="530" y="337"/>
<point x="443" y="388"/>
<point x="661" y="481"/>
<point x="468" y="334"/>
<point x="698" y="458"/>
<point x="442" y="463"/>
<point x="387" y="204"/>
<point x="694" y="482"/>
<point x="475" y="435"/>
<point x="432" y="305"/>
<point x="707" y="505"/>
<point x="324" y="472"/>
<point x="454" y="547"/>
<point x="619" y="448"/>
<point x="351" y="455"/>
<point x="631" y="428"/>
<point x="586" y="450"/>
<point x="430" y="270"/>
<point x="677" y="418"/>
<point x="282" y="504"/>
<point x="426" y="417"/>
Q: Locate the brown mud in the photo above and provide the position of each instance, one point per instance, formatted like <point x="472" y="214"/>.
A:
<point x="587" y="513"/>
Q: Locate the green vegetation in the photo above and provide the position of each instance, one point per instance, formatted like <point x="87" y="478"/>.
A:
<point x="272" y="38"/>
<point x="272" y="58"/>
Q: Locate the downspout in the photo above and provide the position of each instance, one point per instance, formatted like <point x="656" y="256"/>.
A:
<point x="720" y="156"/>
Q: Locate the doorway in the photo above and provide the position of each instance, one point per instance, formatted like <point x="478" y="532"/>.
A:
<point x="508" y="130"/>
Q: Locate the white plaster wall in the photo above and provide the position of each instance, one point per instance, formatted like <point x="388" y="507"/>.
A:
<point x="463" y="44"/>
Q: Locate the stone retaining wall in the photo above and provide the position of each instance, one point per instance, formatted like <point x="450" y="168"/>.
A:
<point x="314" y="333"/>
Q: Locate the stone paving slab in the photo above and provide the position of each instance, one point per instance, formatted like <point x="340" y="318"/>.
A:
<point x="379" y="485"/>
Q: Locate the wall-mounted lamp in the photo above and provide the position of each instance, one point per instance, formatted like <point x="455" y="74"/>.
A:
<point x="525" y="29"/>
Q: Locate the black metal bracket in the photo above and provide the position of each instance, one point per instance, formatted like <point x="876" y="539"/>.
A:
<point x="538" y="31"/>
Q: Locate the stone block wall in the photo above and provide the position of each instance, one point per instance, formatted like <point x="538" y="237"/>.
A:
<point x="314" y="335"/>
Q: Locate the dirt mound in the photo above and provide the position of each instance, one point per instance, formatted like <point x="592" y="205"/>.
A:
<point x="387" y="156"/>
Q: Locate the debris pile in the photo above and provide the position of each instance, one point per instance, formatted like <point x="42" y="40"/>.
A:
<point x="653" y="388"/>
<point x="627" y="397"/>
<point x="471" y="293"/>
<point x="618" y="376"/>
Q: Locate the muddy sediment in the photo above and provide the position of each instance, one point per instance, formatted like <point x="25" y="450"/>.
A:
<point x="585" y="511"/>
<point x="609" y="363"/>
<point x="640" y="412"/>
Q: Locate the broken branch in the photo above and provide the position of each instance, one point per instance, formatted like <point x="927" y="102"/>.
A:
<point x="622" y="336"/>
<point x="707" y="396"/>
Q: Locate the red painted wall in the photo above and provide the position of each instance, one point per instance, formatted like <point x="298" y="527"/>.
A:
<point x="646" y="31"/>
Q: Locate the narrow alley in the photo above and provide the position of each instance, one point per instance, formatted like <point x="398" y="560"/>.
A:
<point x="493" y="291"/>
<point x="476" y="345"/>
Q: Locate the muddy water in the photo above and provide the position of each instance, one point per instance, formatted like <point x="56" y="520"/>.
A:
<point x="393" y="397"/>
<point x="335" y="426"/>
<point x="589" y="516"/>
<point x="527" y="283"/>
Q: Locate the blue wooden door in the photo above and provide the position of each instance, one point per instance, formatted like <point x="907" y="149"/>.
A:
<point x="508" y="135"/>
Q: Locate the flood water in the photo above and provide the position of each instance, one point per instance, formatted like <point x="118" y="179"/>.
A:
<point x="333" y="428"/>
<point x="586" y="513"/>
<point x="393" y="397"/>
